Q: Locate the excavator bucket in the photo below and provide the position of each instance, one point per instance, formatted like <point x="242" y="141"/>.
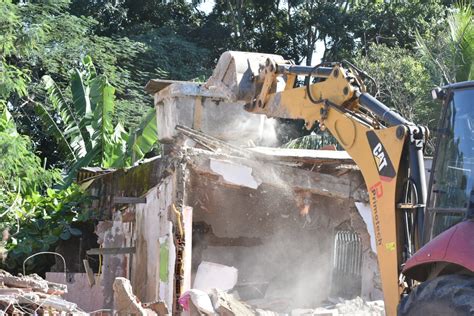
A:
<point x="236" y="72"/>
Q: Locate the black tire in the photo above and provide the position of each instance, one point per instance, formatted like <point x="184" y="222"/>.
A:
<point x="451" y="294"/>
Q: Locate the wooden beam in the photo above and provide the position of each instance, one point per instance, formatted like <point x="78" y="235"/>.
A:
<point x="89" y="272"/>
<point x="110" y="251"/>
<point x="128" y="200"/>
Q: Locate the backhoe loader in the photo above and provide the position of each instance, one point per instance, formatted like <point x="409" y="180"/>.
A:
<point x="424" y="237"/>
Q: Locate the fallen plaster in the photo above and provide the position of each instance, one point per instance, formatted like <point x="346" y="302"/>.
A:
<point x="234" y="173"/>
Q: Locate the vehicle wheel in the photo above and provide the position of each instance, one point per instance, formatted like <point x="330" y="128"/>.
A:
<point x="451" y="294"/>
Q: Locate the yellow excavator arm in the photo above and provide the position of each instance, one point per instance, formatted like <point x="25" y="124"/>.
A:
<point x="387" y="148"/>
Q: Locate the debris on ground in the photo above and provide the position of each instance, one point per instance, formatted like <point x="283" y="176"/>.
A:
<point x="353" y="307"/>
<point x="218" y="302"/>
<point x="32" y="295"/>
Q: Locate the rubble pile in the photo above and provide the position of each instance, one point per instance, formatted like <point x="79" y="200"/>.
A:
<point x="354" y="307"/>
<point x="32" y="295"/>
<point x="218" y="302"/>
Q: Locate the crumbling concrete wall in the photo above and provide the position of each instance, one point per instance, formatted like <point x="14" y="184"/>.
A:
<point x="193" y="105"/>
<point x="154" y="259"/>
<point x="148" y="229"/>
<point x="143" y="225"/>
<point x="262" y="229"/>
<point x="274" y="222"/>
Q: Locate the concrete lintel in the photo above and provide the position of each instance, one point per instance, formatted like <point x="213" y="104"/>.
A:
<point x="286" y="177"/>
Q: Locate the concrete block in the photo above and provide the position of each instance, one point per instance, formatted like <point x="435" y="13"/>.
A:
<point x="210" y="111"/>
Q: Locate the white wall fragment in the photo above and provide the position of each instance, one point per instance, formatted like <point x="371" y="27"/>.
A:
<point x="212" y="275"/>
<point x="366" y="213"/>
<point x="234" y="173"/>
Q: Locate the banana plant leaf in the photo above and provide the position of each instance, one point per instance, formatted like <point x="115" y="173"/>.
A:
<point x="142" y="140"/>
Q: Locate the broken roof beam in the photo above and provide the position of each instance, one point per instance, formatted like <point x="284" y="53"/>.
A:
<point x="212" y="143"/>
<point x="277" y="155"/>
<point x="310" y="156"/>
<point x="278" y="175"/>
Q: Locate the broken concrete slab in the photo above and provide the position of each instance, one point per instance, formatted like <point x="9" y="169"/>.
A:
<point x="33" y="281"/>
<point x="189" y="104"/>
<point x="226" y="305"/>
<point x="59" y="304"/>
<point x="211" y="275"/>
<point x="125" y="302"/>
<point x="33" y="294"/>
<point x="311" y="156"/>
<point x="158" y="307"/>
<point x="213" y="107"/>
<point x="13" y="291"/>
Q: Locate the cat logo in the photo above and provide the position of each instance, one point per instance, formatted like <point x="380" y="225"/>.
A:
<point x="381" y="158"/>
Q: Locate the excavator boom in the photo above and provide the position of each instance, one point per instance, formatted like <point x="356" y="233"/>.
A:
<point x="387" y="148"/>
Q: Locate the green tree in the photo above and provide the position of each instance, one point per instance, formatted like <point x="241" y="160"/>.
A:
<point x="449" y="54"/>
<point x="38" y="38"/>
<point x="42" y="38"/>
<point x="392" y="23"/>
<point x="403" y="83"/>
<point x="21" y="171"/>
<point x="84" y="128"/>
<point x="33" y="214"/>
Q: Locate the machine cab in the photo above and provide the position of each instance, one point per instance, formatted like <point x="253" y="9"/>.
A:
<point x="449" y="222"/>
<point x="452" y="172"/>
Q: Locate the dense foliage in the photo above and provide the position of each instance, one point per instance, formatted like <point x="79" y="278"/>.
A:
<point x="84" y="128"/>
<point x="35" y="213"/>
<point x="72" y="75"/>
<point x="42" y="46"/>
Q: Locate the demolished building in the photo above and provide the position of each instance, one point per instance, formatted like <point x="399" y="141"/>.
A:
<point x="280" y="228"/>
